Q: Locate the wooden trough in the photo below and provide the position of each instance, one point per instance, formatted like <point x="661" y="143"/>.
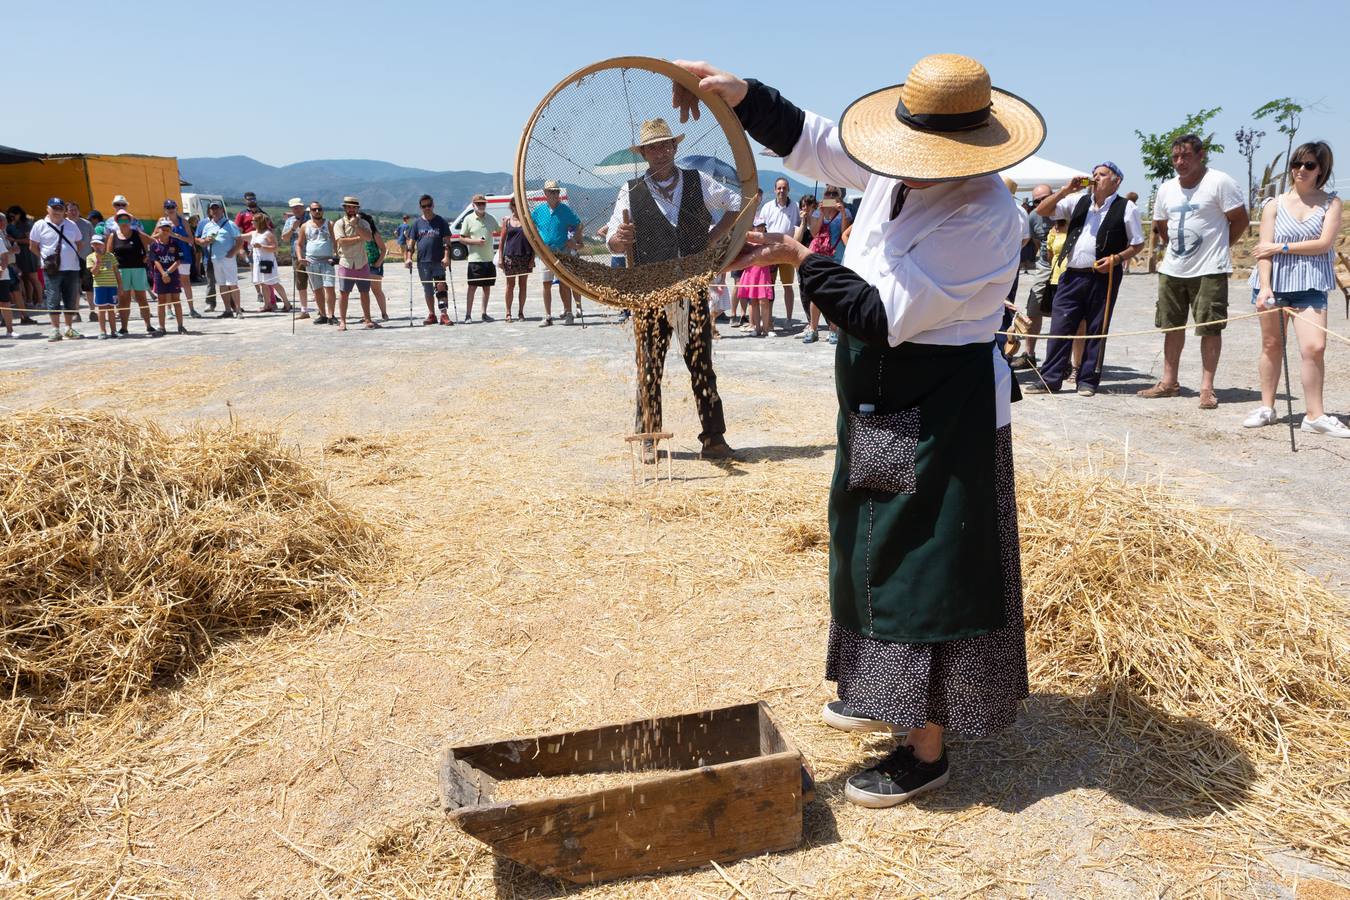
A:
<point x="739" y="792"/>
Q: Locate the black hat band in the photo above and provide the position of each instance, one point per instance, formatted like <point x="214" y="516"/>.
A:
<point x="943" y="122"/>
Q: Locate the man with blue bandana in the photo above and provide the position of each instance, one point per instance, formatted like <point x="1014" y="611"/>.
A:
<point x="1104" y="234"/>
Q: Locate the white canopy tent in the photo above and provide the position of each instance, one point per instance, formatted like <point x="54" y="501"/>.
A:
<point x="1036" y="170"/>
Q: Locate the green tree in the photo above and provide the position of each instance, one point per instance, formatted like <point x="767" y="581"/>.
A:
<point x="1156" y="149"/>
<point x="1286" y="113"/>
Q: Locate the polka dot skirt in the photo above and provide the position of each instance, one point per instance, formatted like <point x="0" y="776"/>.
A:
<point x="972" y="686"/>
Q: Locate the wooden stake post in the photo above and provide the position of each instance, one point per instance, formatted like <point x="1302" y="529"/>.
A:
<point x="740" y="792"/>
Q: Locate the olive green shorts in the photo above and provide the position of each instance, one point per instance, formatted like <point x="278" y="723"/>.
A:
<point x="1203" y="297"/>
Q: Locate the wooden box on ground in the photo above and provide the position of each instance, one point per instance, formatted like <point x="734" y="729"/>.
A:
<point x="739" y="790"/>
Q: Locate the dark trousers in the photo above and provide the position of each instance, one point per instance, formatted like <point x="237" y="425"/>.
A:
<point x="653" y="334"/>
<point x="1080" y="297"/>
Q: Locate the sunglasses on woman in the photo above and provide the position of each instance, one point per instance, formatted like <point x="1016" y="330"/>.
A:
<point x="1309" y="164"/>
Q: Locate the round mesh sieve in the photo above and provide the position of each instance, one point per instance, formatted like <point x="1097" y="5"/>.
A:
<point x="610" y="139"/>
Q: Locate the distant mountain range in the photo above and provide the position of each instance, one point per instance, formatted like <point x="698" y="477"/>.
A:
<point x="380" y="185"/>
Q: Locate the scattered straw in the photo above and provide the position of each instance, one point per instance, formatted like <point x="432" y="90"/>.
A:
<point x="129" y="552"/>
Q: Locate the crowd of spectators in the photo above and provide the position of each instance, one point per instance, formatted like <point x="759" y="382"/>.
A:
<point x="1080" y="241"/>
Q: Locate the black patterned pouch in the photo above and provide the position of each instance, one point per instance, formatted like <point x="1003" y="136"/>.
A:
<point x="881" y="451"/>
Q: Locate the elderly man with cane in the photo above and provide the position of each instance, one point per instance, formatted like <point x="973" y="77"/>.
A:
<point x="925" y="587"/>
<point x="1104" y="235"/>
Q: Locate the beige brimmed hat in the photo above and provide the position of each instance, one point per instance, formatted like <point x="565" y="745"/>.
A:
<point x="551" y="185"/>
<point x="350" y="199"/>
<point x="943" y="123"/>
<point x="654" y="131"/>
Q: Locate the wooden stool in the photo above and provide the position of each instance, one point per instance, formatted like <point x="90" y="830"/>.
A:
<point x="635" y="455"/>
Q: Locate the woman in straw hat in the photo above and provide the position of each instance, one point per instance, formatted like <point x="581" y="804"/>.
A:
<point x="925" y="586"/>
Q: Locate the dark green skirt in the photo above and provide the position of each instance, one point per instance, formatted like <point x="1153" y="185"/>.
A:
<point x="920" y="566"/>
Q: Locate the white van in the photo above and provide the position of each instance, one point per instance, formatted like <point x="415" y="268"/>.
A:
<point x="197" y="204"/>
<point x="498" y="206"/>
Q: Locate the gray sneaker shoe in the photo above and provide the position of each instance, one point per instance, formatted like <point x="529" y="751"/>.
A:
<point x="56" y="336"/>
<point x="73" y="334"/>
<point x="810" y="336"/>
<point x="895" y="779"/>
<point x="838" y="715"/>
<point x="567" y="318"/>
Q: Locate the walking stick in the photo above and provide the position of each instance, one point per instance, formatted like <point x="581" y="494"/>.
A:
<point x="1288" y="390"/>
<point x="454" y="301"/>
<point x="410" y="292"/>
<point x="1106" y="321"/>
<point x="295" y="295"/>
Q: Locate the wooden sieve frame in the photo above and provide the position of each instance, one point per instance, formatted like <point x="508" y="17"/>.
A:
<point x="731" y="127"/>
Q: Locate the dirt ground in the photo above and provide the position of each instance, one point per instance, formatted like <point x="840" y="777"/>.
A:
<point x="532" y="573"/>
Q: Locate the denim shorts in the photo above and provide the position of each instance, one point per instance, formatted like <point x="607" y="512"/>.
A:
<point x="1309" y="299"/>
<point x="321" y="274"/>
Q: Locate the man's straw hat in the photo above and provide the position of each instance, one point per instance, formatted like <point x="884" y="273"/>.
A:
<point x="943" y="123"/>
<point x="654" y="131"/>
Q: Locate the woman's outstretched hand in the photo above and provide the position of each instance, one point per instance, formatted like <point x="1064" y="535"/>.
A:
<point x="769" y="250"/>
<point x="711" y="79"/>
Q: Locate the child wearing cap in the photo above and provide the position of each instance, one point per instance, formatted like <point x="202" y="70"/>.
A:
<point x="756" y="289"/>
<point x="165" y="257"/>
<point x="107" y="283"/>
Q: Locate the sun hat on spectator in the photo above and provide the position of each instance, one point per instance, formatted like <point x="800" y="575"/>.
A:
<point x="551" y="185"/>
<point x="120" y="200"/>
<point x="295" y="201"/>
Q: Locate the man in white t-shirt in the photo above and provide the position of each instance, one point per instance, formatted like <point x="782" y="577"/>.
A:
<point x="57" y="239"/>
<point x="1197" y="215"/>
<point x="781" y="216"/>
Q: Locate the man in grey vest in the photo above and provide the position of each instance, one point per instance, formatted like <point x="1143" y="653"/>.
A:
<point x="665" y="214"/>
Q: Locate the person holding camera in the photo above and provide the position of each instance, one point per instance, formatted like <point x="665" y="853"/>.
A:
<point x="1104" y="234"/>
<point x="55" y="240"/>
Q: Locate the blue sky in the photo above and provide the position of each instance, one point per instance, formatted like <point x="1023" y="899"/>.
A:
<point x="449" y="86"/>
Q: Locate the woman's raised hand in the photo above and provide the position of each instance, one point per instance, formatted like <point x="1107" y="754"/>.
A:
<point x="711" y="79"/>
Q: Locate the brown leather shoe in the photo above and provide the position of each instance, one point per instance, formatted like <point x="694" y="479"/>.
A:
<point x="1159" y="390"/>
<point x="717" y="449"/>
<point x="1208" y="400"/>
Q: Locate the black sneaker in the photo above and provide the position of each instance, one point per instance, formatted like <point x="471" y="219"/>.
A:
<point x="895" y="779"/>
<point x="1024" y="362"/>
<point x="320" y="320"/>
<point x="837" y="715"/>
<point x="226" y="315"/>
<point x="1037" y="387"/>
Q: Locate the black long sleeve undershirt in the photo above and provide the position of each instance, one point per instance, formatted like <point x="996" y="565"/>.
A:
<point x="845" y="299"/>
<point x="842" y="295"/>
<point x="770" y="119"/>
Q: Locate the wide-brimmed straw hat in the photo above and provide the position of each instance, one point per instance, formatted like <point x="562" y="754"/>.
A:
<point x="654" y="131"/>
<point x="943" y="123"/>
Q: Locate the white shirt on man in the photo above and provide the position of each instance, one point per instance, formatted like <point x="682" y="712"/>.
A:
<point x="47" y="237"/>
<point x="1197" y="224"/>
<point x="717" y="197"/>
<point x="779" y="219"/>
<point x="1084" y="253"/>
<point x="943" y="266"/>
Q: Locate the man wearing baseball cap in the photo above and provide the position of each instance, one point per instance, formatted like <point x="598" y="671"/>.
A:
<point x="182" y="235"/>
<point x="476" y="233"/>
<point x="290" y="231"/>
<point x="56" y="241"/>
<point x="222" y="239"/>
<point x="1104" y="235"/>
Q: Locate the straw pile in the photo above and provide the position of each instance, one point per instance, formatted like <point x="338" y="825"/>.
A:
<point x="129" y="551"/>
<point x="1224" y="670"/>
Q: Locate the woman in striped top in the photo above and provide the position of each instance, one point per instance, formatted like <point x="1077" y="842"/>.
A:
<point x="1294" y="269"/>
